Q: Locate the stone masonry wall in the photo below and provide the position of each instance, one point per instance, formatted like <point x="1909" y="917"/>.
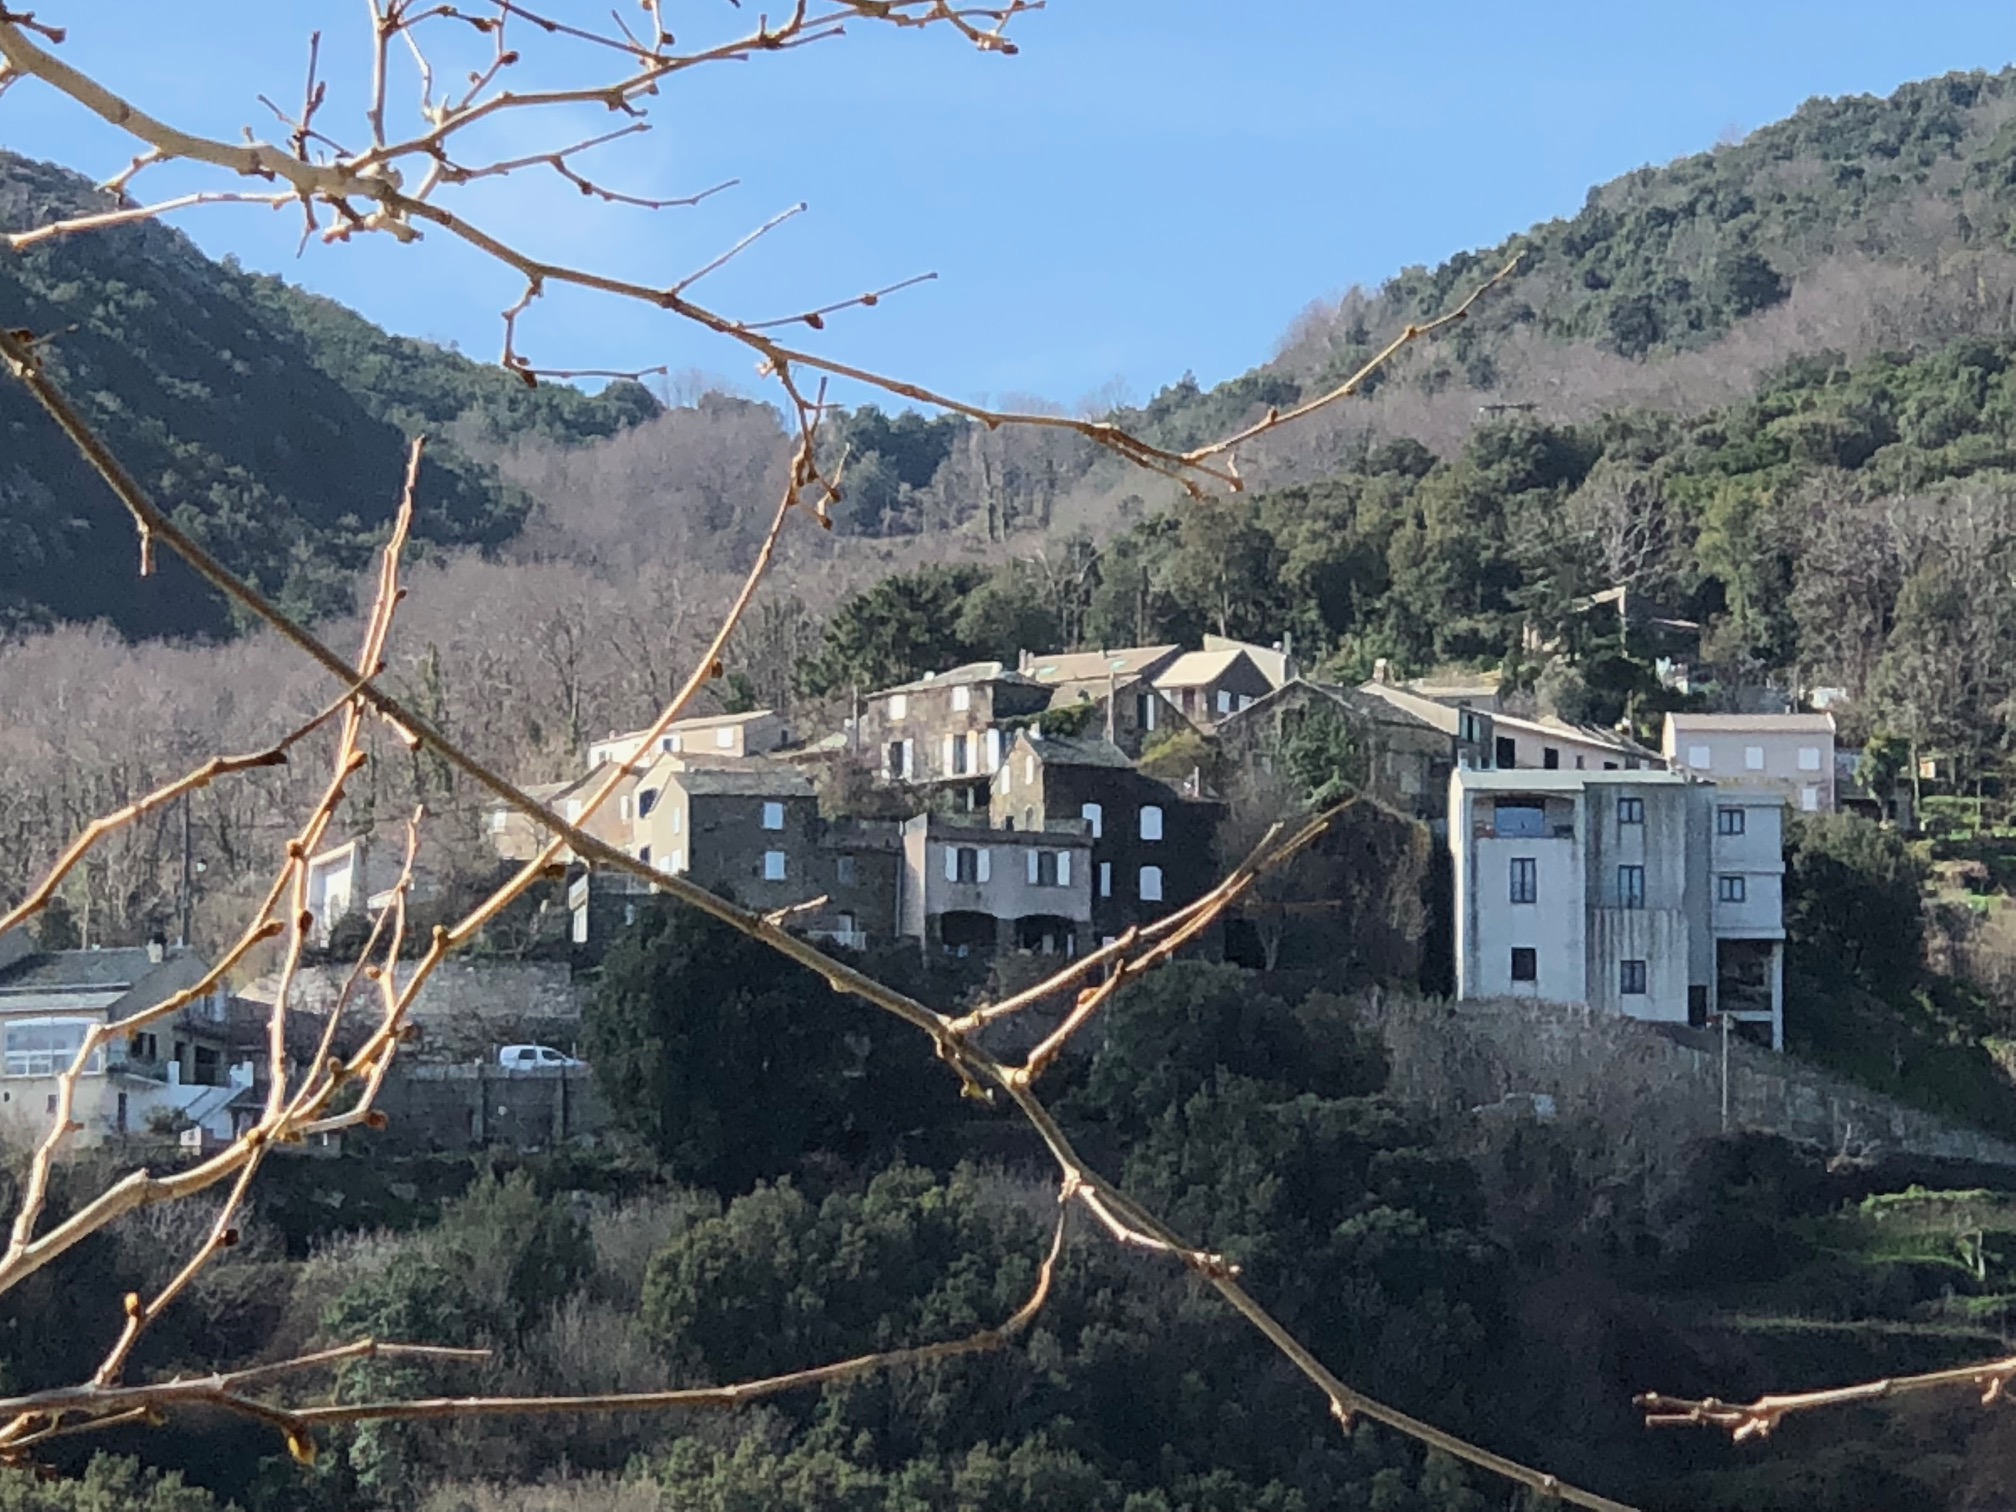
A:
<point x="1655" y="1088"/>
<point x="469" y="1007"/>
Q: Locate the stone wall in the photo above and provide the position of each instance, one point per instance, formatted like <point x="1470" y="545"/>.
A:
<point x="469" y="1007"/>
<point x="431" y="1107"/>
<point x="1653" y="1088"/>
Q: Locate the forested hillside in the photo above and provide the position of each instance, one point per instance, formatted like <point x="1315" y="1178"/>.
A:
<point x="269" y="421"/>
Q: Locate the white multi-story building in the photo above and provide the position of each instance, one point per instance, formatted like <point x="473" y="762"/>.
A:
<point x="1644" y="893"/>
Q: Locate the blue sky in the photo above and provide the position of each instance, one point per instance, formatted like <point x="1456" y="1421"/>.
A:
<point x="1151" y="186"/>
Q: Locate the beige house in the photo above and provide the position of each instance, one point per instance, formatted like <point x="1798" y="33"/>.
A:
<point x="1125" y="662"/>
<point x="756" y="733"/>
<point x="1552" y="744"/>
<point x="176" y="1072"/>
<point x="1211" y="685"/>
<point x="966" y="889"/>
<point x="1790" y="755"/>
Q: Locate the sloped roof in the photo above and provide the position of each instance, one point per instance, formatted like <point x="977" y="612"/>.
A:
<point x="1758" y="724"/>
<point x="1127" y="662"/>
<point x="1549" y="724"/>
<point x="47" y="970"/>
<point x="1273" y="662"/>
<point x="1414" y="706"/>
<point x="970" y="672"/>
<point x="1068" y="750"/>
<point x="772" y="780"/>
<point x="1193" y="669"/>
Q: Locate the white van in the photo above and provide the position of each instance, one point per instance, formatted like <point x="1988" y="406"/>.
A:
<point x="533" y="1058"/>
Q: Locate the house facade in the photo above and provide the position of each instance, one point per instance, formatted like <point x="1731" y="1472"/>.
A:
<point x="756" y="733"/>
<point x="177" y="1071"/>
<point x="1644" y="893"/>
<point x="947" y="727"/>
<point x="1150" y="844"/>
<point x="1788" y="755"/>
<point x="751" y="829"/>
<point x="967" y="889"/>
<point x="1211" y="685"/>
<point x="1549" y="744"/>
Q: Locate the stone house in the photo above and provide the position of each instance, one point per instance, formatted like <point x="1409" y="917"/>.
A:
<point x="1150" y="844"/>
<point x="947" y="728"/>
<point x="964" y="888"/>
<point x="751" y="829"/>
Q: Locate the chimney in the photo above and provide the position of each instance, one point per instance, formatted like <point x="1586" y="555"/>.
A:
<point x="157" y="949"/>
<point x="1382" y="670"/>
<point x="1023" y="660"/>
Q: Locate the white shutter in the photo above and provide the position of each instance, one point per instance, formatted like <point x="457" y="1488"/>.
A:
<point x="1105" y="879"/>
<point x="951" y="863"/>
<point x="1063" y="868"/>
<point x="909" y="758"/>
<point x="993" y="750"/>
<point x="1033" y="873"/>
<point x="986" y="864"/>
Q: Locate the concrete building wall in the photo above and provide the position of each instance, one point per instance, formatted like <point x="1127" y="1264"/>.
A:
<point x="432" y="1108"/>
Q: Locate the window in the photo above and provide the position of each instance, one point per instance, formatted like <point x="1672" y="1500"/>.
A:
<point x="1105" y="879"/>
<point x="1611" y="766"/>
<point x="773" y="816"/>
<point x="573" y="810"/>
<point x="499" y="820"/>
<point x="623" y="806"/>
<point x="1144" y="712"/>
<point x="1550" y="758"/>
<point x="1094" y="817"/>
<point x="46" y="1047"/>
<point x="1700" y="758"/>
<point x="676" y="862"/>
<point x="644" y="854"/>
<point x="675" y="742"/>
<point x="1525" y="879"/>
<point x="1151" y="884"/>
<point x="1151" y="821"/>
<point x="1007" y="776"/>
<point x="1224" y="701"/>
<point x="1029" y="767"/>
<point x="1729" y="889"/>
<point x="1050" y="868"/>
<point x="1809" y="799"/>
<point x="899" y="705"/>
<point x="1470" y="732"/>
<point x="958" y="752"/>
<point x="1029" y="819"/>
<point x="993" y="750"/>
<point x="1630" y="810"/>
<point x="1729" y="821"/>
<point x="1753" y="758"/>
<point x="1809" y="758"/>
<point x="1525" y="964"/>
<point x="847" y="871"/>
<point x="1630" y="887"/>
<point x="646" y="801"/>
<point x="773" y="866"/>
<point x="1507" y="755"/>
<point x="1631" y="978"/>
<point x="677" y="821"/>
<point x="668" y="743"/>
<point x="725" y="737"/>
<point x="962" y="698"/>
<point x="580" y="931"/>
<point x="1580" y="763"/>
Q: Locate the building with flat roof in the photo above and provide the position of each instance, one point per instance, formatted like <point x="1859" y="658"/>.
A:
<point x="1789" y="755"/>
<point x="1645" y="893"/>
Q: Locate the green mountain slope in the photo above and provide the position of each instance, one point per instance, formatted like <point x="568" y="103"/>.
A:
<point x="1670" y="259"/>
<point x="272" y="423"/>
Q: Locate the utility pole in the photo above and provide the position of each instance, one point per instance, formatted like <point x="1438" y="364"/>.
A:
<point x="187" y="871"/>
<point x="1724" y="1020"/>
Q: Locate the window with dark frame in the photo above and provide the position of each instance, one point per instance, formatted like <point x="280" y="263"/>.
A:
<point x="1630" y="810"/>
<point x="1731" y="889"/>
<point x="1631" y="978"/>
<point x="1729" y="821"/>
<point x="1525" y="879"/>
<point x="1630" y="887"/>
<point x="1525" y="964"/>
